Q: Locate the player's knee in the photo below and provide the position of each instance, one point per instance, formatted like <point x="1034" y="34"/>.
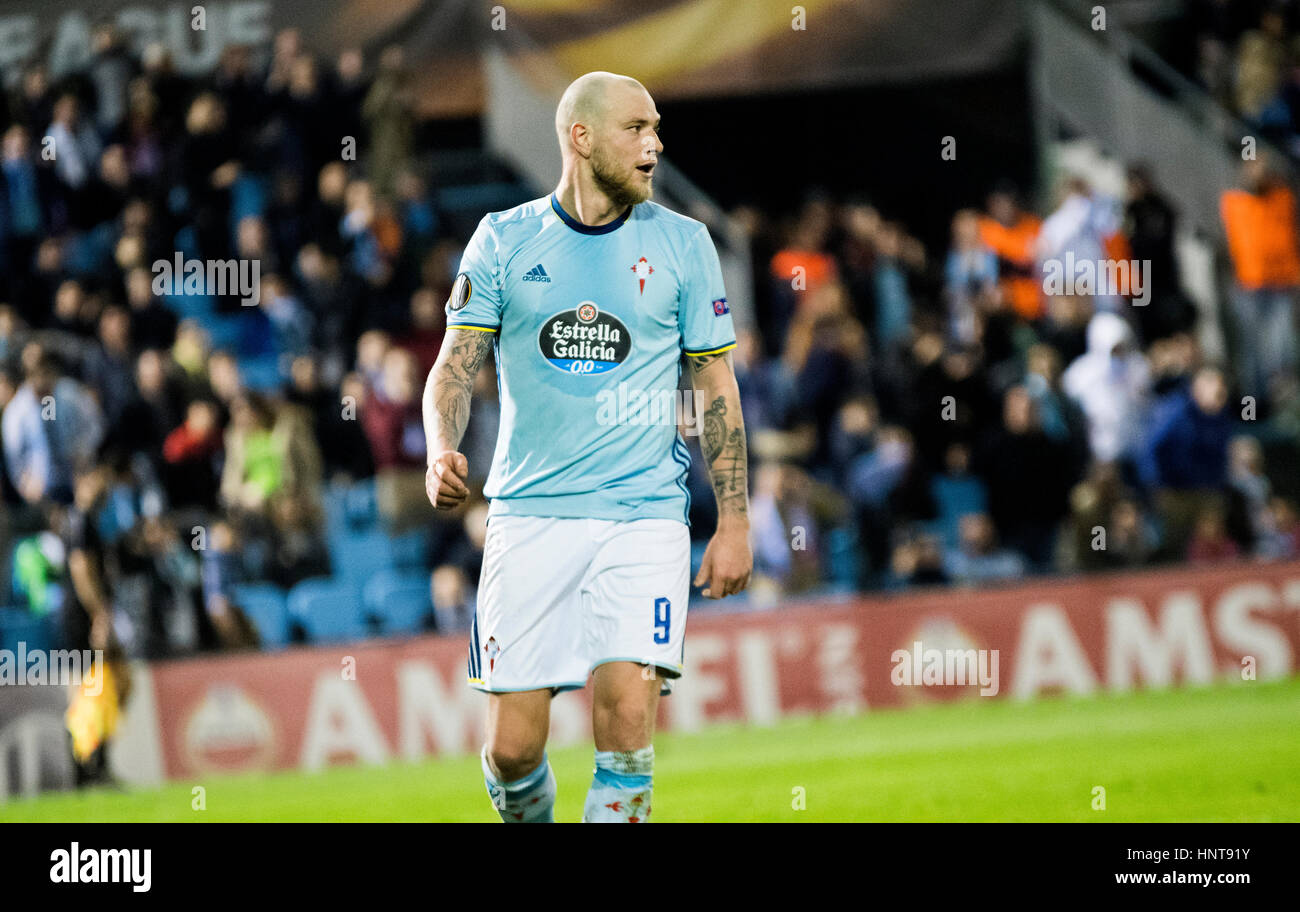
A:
<point x="623" y="723"/>
<point x="513" y="758"/>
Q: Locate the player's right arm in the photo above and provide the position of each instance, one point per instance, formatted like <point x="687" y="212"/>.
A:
<point x="447" y="394"/>
<point x="473" y="320"/>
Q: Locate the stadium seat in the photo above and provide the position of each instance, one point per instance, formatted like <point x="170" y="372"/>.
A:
<point x="351" y="507"/>
<point x="399" y="600"/>
<point x="410" y="549"/>
<point x="357" y="556"/>
<point x="362" y="504"/>
<point x="358" y="547"/>
<point x="328" y="609"/>
<point x="266" y="606"/>
<point x="334" y="500"/>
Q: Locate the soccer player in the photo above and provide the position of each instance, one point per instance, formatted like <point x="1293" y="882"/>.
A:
<point x="588" y="299"/>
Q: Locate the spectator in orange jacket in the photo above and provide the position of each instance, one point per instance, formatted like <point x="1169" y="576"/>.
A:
<point x="1012" y="234"/>
<point x="803" y="264"/>
<point x="1260" y="222"/>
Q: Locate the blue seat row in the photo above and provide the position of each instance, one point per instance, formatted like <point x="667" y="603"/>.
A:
<point x="380" y="584"/>
<point x="332" y="609"/>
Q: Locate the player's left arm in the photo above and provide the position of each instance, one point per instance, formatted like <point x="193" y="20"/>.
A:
<point x="728" y="559"/>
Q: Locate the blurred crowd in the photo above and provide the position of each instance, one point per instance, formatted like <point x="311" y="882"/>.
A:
<point x="162" y="446"/>
<point x="1248" y="57"/>
<point x="920" y="418"/>
<point x="916" y="416"/>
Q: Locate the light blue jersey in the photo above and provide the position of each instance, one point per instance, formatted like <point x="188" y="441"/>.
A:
<point x="591" y="324"/>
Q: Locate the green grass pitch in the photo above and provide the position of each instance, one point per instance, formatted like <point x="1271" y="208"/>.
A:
<point x="1221" y="753"/>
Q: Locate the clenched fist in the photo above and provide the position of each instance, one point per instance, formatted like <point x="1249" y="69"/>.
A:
<point x="445" y="480"/>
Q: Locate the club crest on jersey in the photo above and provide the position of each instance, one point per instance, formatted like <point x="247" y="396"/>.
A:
<point x="643" y="271"/>
<point x="460" y="292"/>
<point x="720" y="307"/>
<point x="584" y="340"/>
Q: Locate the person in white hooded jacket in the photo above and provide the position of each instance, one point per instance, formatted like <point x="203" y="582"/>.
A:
<point x="1111" y="382"/>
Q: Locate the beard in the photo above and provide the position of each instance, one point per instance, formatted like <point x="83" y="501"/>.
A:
<point x="624" y="189"/>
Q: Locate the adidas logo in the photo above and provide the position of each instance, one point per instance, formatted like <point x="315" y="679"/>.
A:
<point x="536" y="274"/>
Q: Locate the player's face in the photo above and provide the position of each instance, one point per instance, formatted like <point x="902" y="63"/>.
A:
<point x="627" y="149"/>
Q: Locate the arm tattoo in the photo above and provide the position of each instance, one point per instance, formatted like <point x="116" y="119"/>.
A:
<point x="725" y="453"/>
<point x="699" y="362"/>
<point x="722" y="440"/>
<point x="450" y="386"/>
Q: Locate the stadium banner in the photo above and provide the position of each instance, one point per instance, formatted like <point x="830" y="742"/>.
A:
<point x="383" y="701"/>
<point x="680" y="48"/>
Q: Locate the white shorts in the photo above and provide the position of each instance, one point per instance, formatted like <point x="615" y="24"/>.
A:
<point x="557" y="597"/>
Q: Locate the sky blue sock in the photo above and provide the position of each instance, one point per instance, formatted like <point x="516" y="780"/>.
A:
<point x="621" y="788"/>
<point x="527" y="800"/>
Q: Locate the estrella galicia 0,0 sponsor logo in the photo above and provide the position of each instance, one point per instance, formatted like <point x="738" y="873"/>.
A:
<point x="584" y="340"/>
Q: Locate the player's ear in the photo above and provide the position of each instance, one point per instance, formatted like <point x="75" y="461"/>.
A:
<point x="581" y="138"/>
